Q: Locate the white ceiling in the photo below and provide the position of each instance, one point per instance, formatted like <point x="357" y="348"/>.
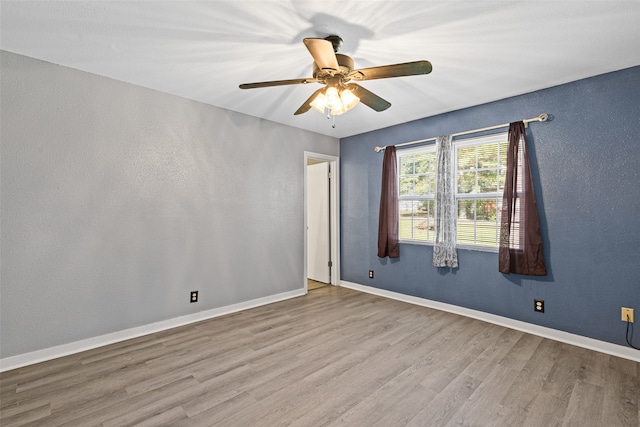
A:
<point x="481" y="51"/>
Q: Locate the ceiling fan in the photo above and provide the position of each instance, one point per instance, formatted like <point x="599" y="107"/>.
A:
<point x="336" y="72"/>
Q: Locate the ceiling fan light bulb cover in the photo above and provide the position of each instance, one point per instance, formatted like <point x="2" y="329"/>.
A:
<point x="333" y="98"/>
<point x="349" y="100"/>
<point x="338" y="109"/>
<point x="319" y="103"/>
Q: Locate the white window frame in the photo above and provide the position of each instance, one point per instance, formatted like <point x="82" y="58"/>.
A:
<point x="459" y="143"/>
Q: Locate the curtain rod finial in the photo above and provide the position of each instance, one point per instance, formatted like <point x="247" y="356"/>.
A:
<point x="378" y="149"/>
<point x="543" y="117"/>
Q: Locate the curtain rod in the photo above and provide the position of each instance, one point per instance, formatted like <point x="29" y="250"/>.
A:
<point x="541" y="118"/>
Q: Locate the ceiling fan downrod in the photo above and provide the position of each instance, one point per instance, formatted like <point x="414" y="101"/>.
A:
<point x="336" y="42"/>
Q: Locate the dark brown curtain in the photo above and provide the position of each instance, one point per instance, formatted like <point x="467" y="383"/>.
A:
<point x="388" y="220"/>
<point x="520" y="239"/>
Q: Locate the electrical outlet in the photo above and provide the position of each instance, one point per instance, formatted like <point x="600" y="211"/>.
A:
<point x="627" y="314"/>
<point x="194" y="296"/>
<point x="538" y="305"/>
<point x="370" y="274"/>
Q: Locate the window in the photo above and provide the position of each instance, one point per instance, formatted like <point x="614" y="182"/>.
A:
<point x="480" y="168"/>
<point x="417" y="180"/>
<point x="481" y="165"/>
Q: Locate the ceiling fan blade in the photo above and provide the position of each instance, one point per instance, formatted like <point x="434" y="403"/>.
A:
<point x="323" y="54"/>
<point x="395" y="70"/>
<point x="277" y="83"/>
<point x="307" y="104"/>
<point x="368" y="98"/>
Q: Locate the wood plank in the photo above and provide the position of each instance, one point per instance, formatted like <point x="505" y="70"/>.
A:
<point x="585" y="405"/>
<point x="517" y="403"/>
<point x="546" y="410"/>
<point x="621" y="393"/>
<point x="446" y="403"/>
<point x="25" y="415"/>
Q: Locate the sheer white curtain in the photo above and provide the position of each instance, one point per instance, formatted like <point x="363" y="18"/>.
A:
<point x="444" y="250"/>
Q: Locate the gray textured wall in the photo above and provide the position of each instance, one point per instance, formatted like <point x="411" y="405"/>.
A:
<point x="118" y="200"/>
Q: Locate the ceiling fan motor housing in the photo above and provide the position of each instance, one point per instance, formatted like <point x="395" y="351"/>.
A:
<point x="346" y="65"/>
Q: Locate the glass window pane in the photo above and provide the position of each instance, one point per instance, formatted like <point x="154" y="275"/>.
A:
<point x="416" y="220"/>
<point x="406" y="219"/>
<point x="421" y="185"/>
<point x="429" y="207"/>
<point x="479" y="222"/>
<point x="466" y="209"/>
<point x="465" y="225"/>
<point x="486" y="209"/>
<point x="420" y="221"/>
<point x="432" y="160"/>
<point x="486" y="233"/>
<point x="407" y="186"/>
<point x="431" y="184"/>
<point x="421" y="163"/>
<point x="466" y="182"/>
<point x="406" y="165"/>
<point x="466" y="158"/>
<point x="488" y="181"/>
<point x="487" y="156"/>
<point x="503" y="153"/>
<point x="405" y="228"/>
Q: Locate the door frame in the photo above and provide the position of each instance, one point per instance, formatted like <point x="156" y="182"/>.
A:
<point x="334" y="215"/>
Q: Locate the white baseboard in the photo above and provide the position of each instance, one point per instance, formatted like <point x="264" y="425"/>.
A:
<point x="18" y="361"/>
<point x="554" y="334"/>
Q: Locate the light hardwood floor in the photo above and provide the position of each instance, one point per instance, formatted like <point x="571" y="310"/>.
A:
<point x="314" y="284"/>
<point x="335" y="357"/>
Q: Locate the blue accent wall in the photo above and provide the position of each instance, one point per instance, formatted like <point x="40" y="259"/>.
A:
<point x="586" y="167"/>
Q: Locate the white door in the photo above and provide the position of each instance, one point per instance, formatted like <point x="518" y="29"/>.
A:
<point x="318" y="242"/>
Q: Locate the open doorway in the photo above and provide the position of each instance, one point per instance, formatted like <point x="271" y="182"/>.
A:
<point x="321" y="226"/>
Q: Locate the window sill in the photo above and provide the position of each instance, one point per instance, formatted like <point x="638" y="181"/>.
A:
<point x="479" y="248"/>
<point x="415" y="242"/>
<point x="465" y="247"/>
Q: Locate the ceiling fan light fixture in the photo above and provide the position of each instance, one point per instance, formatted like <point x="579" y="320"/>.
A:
<point x="335" y="101"/>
